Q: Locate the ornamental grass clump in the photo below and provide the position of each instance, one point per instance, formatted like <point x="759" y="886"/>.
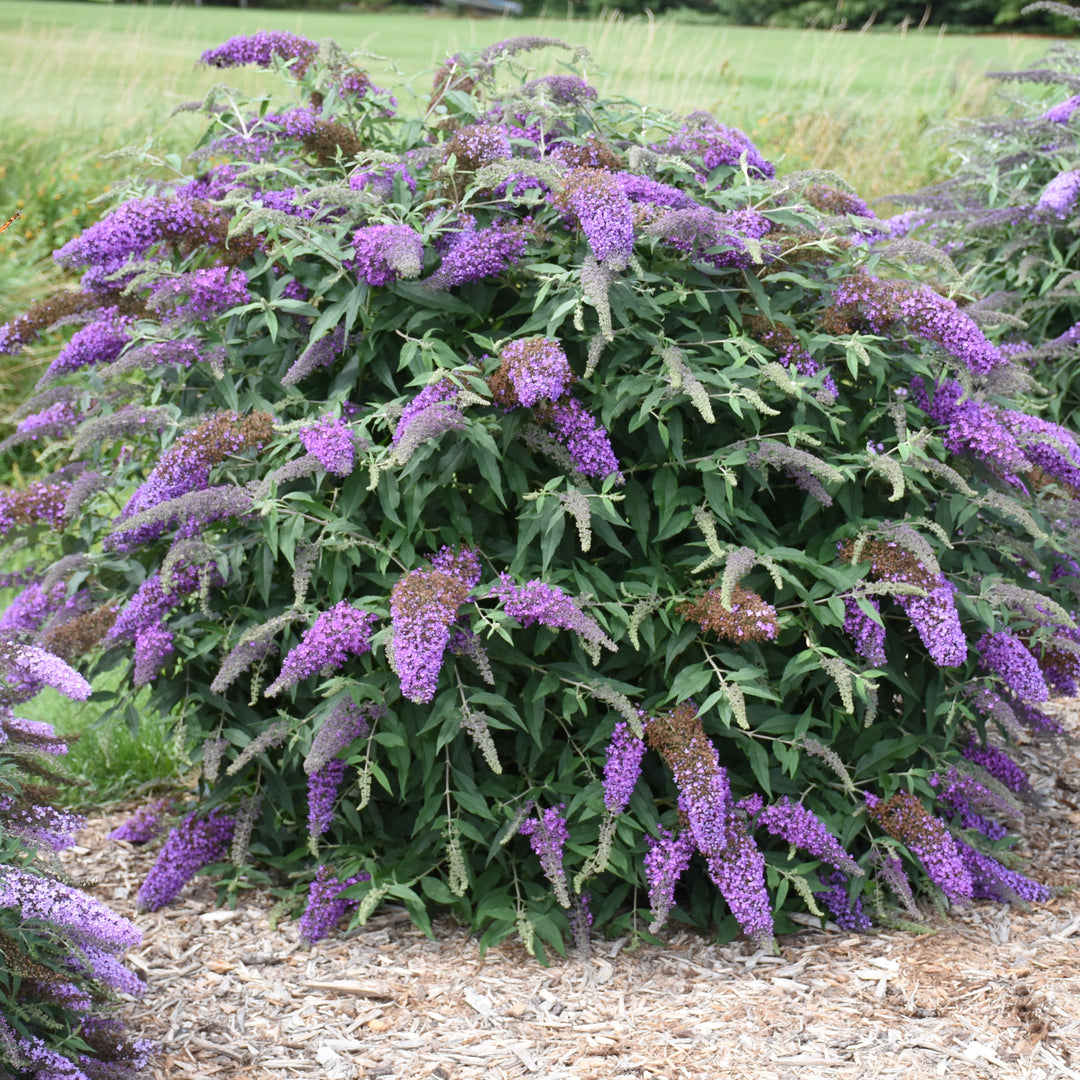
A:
<point x="564" y="510"/>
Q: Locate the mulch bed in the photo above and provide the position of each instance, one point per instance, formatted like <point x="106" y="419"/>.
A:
<point x="994" y="991"/>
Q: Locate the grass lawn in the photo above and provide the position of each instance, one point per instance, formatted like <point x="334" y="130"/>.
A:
<point x="822" y="99"/>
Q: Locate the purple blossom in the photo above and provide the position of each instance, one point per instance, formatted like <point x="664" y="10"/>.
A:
<point x="100" y="342"/>
<point x="738" y="871"/>
<point x="321" y="353"/>
<point x="379" y="179"/>
<point x="346" y="723"/>
<point x="1060" y="194"/>
<point x="334" y="637"/>
<point x="473" y="254"/>
<point x="937" y="622"/>
<point x="424" y="605"/>
<point x="34" y="607"/>
<point x="1062" y="111"/>
<point x="322" y="790"/>
<point x="585" y="440"/>
<point x="605" y="213"/>
<point x="41" y="502"/>
<point x="40" y="826"/>
<point x="260" y="49"/>
<point x="82" y="918"/>
<point x="992" y="881"/>
<point x="867" y="634"/>
<point x="153" y="646"/>
<point x="643" y="189"/>
<point x="884" y="306"/>
<point x="965" y="798"/>
<point x="331" y="442"/>
<point x="720" y="239"/>
<point x="29" y="668"/>
<point x="927" y="838"/>
<point x="998" y="764"/>
<point x="848" y="914"/>
<point x="200" y="296"/>
<point x="433" y="411"/>
<point x="708" y="145"/>
<point x="58" y="419"/>
<point x="537" y="369"/>
<point x="194" y="843"/>
<point x="538" y="602"/>
<point x="548" y="835"/>
<point x="972" y="427"/>
<point x="1005" y="655"/>
<point x="801" y="827"/>
<point x="135" y="228"/>
<point x="385" y="253"/>
<point x="325" y="904"/>
<point x="665" y="863"/>
<point x="622" y="767"/>
<point x="152" y="601"/>
<point x="144" y="825"/>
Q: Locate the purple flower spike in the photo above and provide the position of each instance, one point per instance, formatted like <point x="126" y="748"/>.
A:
<point x="537" y="369"/>
<point x="622" y="767"/>
<point x="331" y="442"/>
<point x="386" y="253"/>
<point x="325" y="905"/>
<point x="334" y="637"/>
<point x="585" y="440"/>
<point x="666" y="861"/>
<point x="423" y="607"/>
<point x="800" y="826"/>
<point x="1006" y="656"/>
<point x="548" y="835"/>
<point x="194" y="843"/>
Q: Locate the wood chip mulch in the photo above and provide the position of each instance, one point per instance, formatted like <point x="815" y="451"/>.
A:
<point x="994" y="991"/>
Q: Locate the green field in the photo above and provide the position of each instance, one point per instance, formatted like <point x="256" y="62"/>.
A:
<point x="821" y="99"/>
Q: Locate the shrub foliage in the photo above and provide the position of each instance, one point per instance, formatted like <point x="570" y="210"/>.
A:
<point x="537" y="510"/>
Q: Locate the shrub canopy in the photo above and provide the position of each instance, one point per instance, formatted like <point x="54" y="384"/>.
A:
<point x="536" y="509"/>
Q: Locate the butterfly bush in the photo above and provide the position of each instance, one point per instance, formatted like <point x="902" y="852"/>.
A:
<point x="542" y="500"/>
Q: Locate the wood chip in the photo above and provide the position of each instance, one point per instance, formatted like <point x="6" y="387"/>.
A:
<point x="992" y="994"/>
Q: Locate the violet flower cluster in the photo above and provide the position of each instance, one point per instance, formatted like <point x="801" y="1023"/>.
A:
<point x="548" y="835"/>
<point x="200" y="296"/>
<point x="998" y="764"/>
<point x="473" y="254"/>
<point x="967" y="801"/>
<point x="1059" y="196"/>
<point x="867" y="634"/>
<point x="622" y="767"/>
<point x="992" y="881"/>
<point x="537" y="369"/>
<point x="800" y="826"/>
<point x="193" y="844"/>
<point x="98" y="343"/>
<point x="928" y="839"/>
<point x="884" y="306"/>
<point x="146" y="824"/>
<point x="332" y="443"/>
<point x="605" y="214"/>
<point x="548" y="605"/>
<point x="431" y="413"/>
<point x="1003" y="654"/>
<point x="326" y="905"/>
<point x="706" y="143"/>
<point x="665" y="862"/>
<point x="336" y="636"/>
<point x="587" y="443"/>
<point x="386" y="253"/>
<point x="848" y="914"/>
<point x="424" y="606"/>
